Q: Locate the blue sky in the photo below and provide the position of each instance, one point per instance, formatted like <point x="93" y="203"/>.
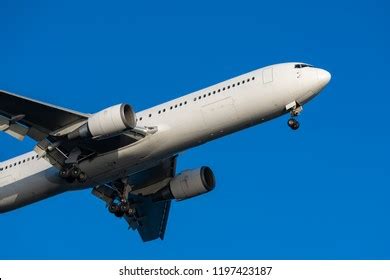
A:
<point x="319" y="193"/>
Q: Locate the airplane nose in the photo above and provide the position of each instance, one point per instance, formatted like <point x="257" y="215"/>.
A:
<point x="323" y="77"/>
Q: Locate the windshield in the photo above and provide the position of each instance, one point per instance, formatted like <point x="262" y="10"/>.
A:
<point x="302" y="65"/>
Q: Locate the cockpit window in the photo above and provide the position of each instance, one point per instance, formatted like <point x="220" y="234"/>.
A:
<point x="302" y="65"/>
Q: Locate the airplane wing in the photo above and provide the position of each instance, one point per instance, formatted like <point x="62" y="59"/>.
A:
<point x="49" y="125"/>
<point x="39" y="118"/>
<point x="152" y="218"/>
<point x="149" y="218"/>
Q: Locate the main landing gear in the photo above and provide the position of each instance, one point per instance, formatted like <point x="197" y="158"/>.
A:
<point x="295" y="111"/>
<point x="120" y="205"/>
<point x="72" y="173"/>
<point x="119" y="209"/>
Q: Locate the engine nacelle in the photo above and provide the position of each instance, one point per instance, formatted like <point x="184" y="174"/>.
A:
<point x="112" y="120"/>
<point x="188" y="184"/>
<point x="109" y="121"/>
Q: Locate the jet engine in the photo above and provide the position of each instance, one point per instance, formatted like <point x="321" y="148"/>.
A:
<point x="188" y="184"/>
<point x="109" y="121"/>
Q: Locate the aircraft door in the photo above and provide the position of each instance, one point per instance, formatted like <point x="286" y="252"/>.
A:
<point x="268" y="75"/>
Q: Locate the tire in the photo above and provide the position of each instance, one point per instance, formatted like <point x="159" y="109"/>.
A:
<point x="82" y="178"/>
<point x="76" y="172"/>
<point x="124" y="208"/>
<point x="64" y="173"/>
<point x="119" y="214"/>
<point x="293" y="124"/>
<point x="113" y="208"/>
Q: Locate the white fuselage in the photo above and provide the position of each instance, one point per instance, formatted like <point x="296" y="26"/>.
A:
<point x="181" y="123"/>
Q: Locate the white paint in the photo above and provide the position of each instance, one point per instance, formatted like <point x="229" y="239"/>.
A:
<point x="111" y="120"/>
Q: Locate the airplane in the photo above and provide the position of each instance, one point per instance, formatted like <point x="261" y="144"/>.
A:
<point x="128" y="159"/>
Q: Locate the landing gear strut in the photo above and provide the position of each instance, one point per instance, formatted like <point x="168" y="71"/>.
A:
<point x="119" y="209"/>
<point x="296" y="109"/>
<point x="121" y="206"/>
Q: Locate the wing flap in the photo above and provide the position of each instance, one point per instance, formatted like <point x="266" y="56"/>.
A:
<point x="150" y="218"/>
<point x="44" y="118"/>
<point x="14" y="129"/>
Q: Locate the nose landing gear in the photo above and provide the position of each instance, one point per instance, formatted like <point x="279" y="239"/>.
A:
<point x="295" y="109"/>
<point x="293" y="124"/>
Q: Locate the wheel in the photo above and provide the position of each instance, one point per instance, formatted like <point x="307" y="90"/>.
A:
<point x="124" y="208"/>
<point x="82" y="177"/>
<point x="64" y="173"/>
<point x="76" y="172"/>
<point x="113" y="208"/>
<point x="293" y="124"/>
<point x="119" y="214"/>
